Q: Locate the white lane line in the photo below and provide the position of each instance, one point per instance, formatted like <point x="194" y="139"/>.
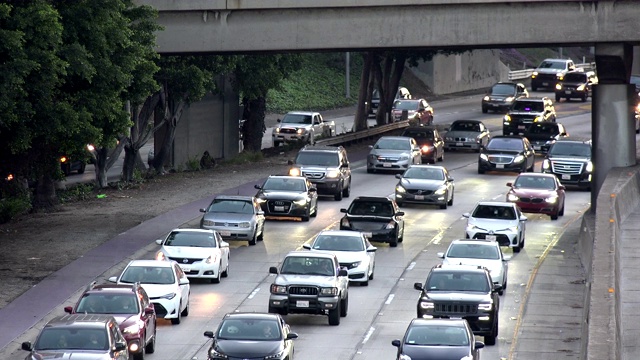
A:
<point x="253" y="293"/>
<point x="411" y="266"/>
<point x="369" y="333"/>
<point x="390" y="299"/>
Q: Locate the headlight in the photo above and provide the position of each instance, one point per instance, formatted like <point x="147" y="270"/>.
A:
<point x="215" y="354"/>
<point x="512" y="197"/>
<point x="390" y="225"/>
<point x="133" y="329"/>
<point x="168" y="296"/>
<point x="546" y="164"/>
<point x="485" y="307"/>
<point x="301" y="131"/>
<point x="468" y="357"/>
<point x="356" y="264"/>
<point x="207" y="222"/>
<point x="425" y="148"/>
<point x="513" y="229"/>
<point x="261" y="200"/>
<point x="400" y="189"/>
<point x="404" y="157"/>
<point x="294" y="172"/>
<point x="537" y="119"/>
<point x="244" y="225"/>
<point x="160" y="256"/>
<point x="328" y="291"/>
<point x="589" y="167"/>
<point x="558" y="86"/>
<point x="580" y="88"/>
<point x="301" y="202"/>
<point x="448" y="138"/>
<point x="509" y="99"/>
<point x="332" y="174"/>
<point x="551" y="200"/>
<point x="404" y="357"/>
<point x="426" y="305"/>
<point x="212" y="259"/>
<point x="534" y="74"/>
<point x="506" y="118"/>
<point x="276" y="130"/>
<point x="441" y="190"/>
<point x="278" y="289"/>
<point x="518" y="159"/>
<point x="484" y="157"/>
<point x="486" y="98"/>
<point x="277" y="355"/>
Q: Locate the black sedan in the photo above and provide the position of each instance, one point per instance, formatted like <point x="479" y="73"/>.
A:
<point x="430" y="142"/>
<point x="442" y="339"/>
<point x="507" y="153"/>
<point x="425" y="184"/>
<point x="288" y="196"/>
<point x="251" y="336"/>
<point x="377" y="216"/>
<point x="542" y="135"/>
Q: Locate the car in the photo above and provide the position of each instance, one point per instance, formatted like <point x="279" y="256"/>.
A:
<point x="68" y="164"/>
<point x="525" y="112"/>
<point x="497" y="221"/>
<point x="501" y="96"/>
<point x="507" y="153"/>
<point x="79" y="336"/>
<point x="576" y="84"/>
<point x="542" y="135"/>
<point x="415" y="110"/>
<point x="302" y="126"/>
<point x="467" y="134"/>
<point x="485" y="253"/>
<point x="164" y="281"/>
<point x="284" y="196"/>
<point x="244" y="335"/>
<point x="130" y="306"/>
<point x="430" y="142"/>
<point x="377" y="215"/>
<point x="353" y="250"/>
<point x="310" y="283"/>
<point x="438" y="339"/>
<point x="327" y="167"/>
<point x="234" y="217"/>
<point x="462" y="291"/>
<point x="549" y="72"/>
<point x="425" y="184"/>
<point x="200" y="253"/>
<point x="538" y="193"/>
<point x="401" y="93"/>
<point x="393" y="153"/>
<point x="570" y="161"/>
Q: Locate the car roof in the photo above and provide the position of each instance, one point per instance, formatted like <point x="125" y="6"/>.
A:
<point x="233" y="197"/>
<point x="303" y="113"/>
<point x="155" y="263"/>
<point x="588" y="142"/>
<point x="327" y="148"/>
<point x="111" y="288"/>
<point x="372" y="198"/>
<point x="437" y="322"/>
<point x="426" y="166"/>
<point x="297" y="253"/>
<point x="251" y="316"/>
<point x="496" y="203"/>
<point x="286" y="177"/>
<point x="547" y="175"/>
<point x="459" y="268"/>
<point x="533" y="98"/>
<point x="394" y="137"/>
<point x="507" y="137"/>
<point x="193" y="230"/>
<point x="563" y="60"/>
<point x="475" y="242"/>
<point x="341" y="233"/>
<point x="83" y="320"/>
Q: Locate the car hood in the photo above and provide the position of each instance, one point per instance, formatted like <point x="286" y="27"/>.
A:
<point x="316" y="168"/>
<point x="348" y="256"/>
<point x="493" y="224"/>
<point x="188" y="252"/>
<point x="549" y="71"/>
<point x="464" y="134"/>
<point x="157" y="290"/>
<point x="500" y="96"/>
<point x="502" y="152"/>
<point x="536" y="137"/>
<point x="246" y="348"/>
<point x="568" y="158"/>
<point x="70" y="355"/>
<point x="125" y="320"/>
<point x="542" y="193"/>
<point x="312" y="280"/>
<point x="293" y="126"/>
<point x="435" y="352"/>
<point x="423" y="184"/>
<point x="493" y="265"/>
<point x="389" y="152"/>
<point x="228" y="217"/>
<point x="457" y="296"/>
<point x="282" y="195"/>
<point x="521" y="113"/>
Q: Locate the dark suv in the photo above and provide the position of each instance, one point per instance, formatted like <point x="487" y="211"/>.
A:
<point x="327" y="167"/>
<point x="527" y="111"/>
<point x="502" y="95"/>
<point x="430" y="142"/>
<point x="461" y="291"/>
<point x="378" y="216"/>
<point x="570" y="161"/>
<point x="79" y="336"/>
<point x="576" y="84"/>
<point x="130" y="306"/>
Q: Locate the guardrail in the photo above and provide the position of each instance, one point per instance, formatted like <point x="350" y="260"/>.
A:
<point x="526" y="73"/>
<point x="351" y="137"/>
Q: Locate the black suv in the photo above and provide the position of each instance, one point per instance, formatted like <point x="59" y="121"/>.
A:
<point x="507" y="153"/>
<point x="527" y="111"/>
<point x="81" y="336"/>
<point x="327" y="167"/>
<point x="502" y="95"/>
<point x="461" y="291"/>
<point x="542" y="135"/>
<point x="576" y="84"/>
<point x="570" y="161"/>
<point x="378" y="216"/>
<point x="429" y="140"/>
<point x="130" y="306"/>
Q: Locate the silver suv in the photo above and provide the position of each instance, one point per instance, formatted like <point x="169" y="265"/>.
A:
<point x="310" y="283"/>
<point x="326" y="167"/>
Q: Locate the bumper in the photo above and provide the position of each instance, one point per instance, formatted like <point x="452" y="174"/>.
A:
<point x="401" y="165"/>
<point x="289" y="137"/>
<point x="496" y="106"/>
<point x="330" y="187"/>
<point x="503" y="238"/>
<point x="303" y="305"/>
<point x="515" y="128"/>
<point x="232" y="233"/>
<point x="294" y="210"/>
<point x="481" y="324"/>
<point x="544" y="81"/>
<point x="166" y="309"/>
<point x="540" y="208"/>
<point x="580" y="180"/>
<point x="511" y="167"/>
<point x="429" y="156"/>
<point x="135" y="343"/>
<point x="380" y="235"/>
<point x="421" y="199"/>
<point x="201" y="270"/>
<point x="540" y="147"/>
<point x="473" y="145"/>
<point x="572" y="94"/>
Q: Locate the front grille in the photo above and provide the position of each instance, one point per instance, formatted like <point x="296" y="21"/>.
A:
<point x="548" y="77"/>
<point x="303" y="290"/>
<point x="368" y="225"/>
<point x="348" y="265"/>
<point x="287" y="131"/>
<point x="523" y="119"/>
<point x="531" y="200"/>
<point x="467" y="309"/>
<point x="420" y="192"/>
<point x="502" y="239"/>
<point x="225" y="224"/>
<point x="276" y="204"/>
<point x="462" y="139"/>
<point x="180" y="260"/>
<point x="565" y="167"/>
<point x="500" y="159"/>
<point x="313" y="175"/>
<point x="388" y="159"/>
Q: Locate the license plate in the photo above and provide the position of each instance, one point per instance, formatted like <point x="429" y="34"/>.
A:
<point x="419" y="197"/>
<point x="520" y="126"/>
<point x="567" y="92"/>
<point x="458" y="144"/>
<point x="537" y="147"/>
<point x="545" y="84"/>
<point x="566" y="177"/>
<point x="499" y="166"/>
<point x="224" y="233"/>
<point x="302" y="303"/>
<point x="185" y="268"/>
<point x="278" y="208"/>
<point x="491" y="237"/>
<point x="386" y="165"/>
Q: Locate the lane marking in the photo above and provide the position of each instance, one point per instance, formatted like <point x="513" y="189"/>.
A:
<point x="389" y="299"/>
<point x="253" y="293"/>
<point x="369" y="333"/>
<point x="411" y="266"/>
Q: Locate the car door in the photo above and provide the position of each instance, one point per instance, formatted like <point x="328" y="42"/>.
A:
<point x="149" y="319"/>
<point x="317" y="125"/>
<point x="529" y="153"/>
<point x="224" y="251"/>
<point x="184" y="288"/>
<point x="416" y="155"/>
<point x="312" y="195"/>
<point x="438" y="143"/>
<point x="450" y="184"/>
<point x="345" y="169"/>
<point x="257" y="210"/>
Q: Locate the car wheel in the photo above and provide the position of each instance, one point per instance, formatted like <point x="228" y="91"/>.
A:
<point x="185" y="312"/>
<point x="253" y="240"/>
<point x="516" y="249"/>
<point x="276" y="143"/>
<point x="372" y="272"/>
<point x="401" y="236"/>
<point x="532" y="165"/>
<point x="151" y="345"/>
<point x="501" y="292"/>
<point x="305" y="218"/>
<point x="490" y="340"/>
<point x="480" y="170"/>
<point x="450" y="203"/>
<point x="534" y="88"/>
<point x="364" y="283"/>
<point x="138" y="356"/>
<point x="394" y="242"/>
<point x="441" y="158"/>
<point x="82" y="168"/>
<point x="484" y="110"/>
<point x="338" y="195"/>
<point x="216" y="280"/>
<point x="561" y="212"/>
<point x="370" y="170"/>
<point x="554" y="216"/>
<point x="443" y="206"/>
<point x="584" y="98"/>
<point x="225" y="273"/>
<point x="261" y="236"/>
<point x="344" y="306"/>
<point x="177" y="320"/>
<point x="273" y="310"/>
<point x="346" y="192"/>
<point x="315" y="210"/>
<point x="558" y="98"/>
<point x="334" y="316"/>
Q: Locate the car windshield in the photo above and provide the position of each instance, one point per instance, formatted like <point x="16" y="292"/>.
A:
<point x="72" y="338"/>
<point x="437" y="336"/>
<point x="148" y="275"/>
<point x="457" y="281"/>
<point x="406" y="105"/>
<point x="465" y="126"/>
<point x="392" y="144"/>
<point x="231" y="206"/>
<point x="503" y="89"/>
<point x="417" y="134"/>
<point x="371" y="208"/>
<point x="249" y="330"/>
<point x="93" y="303"/>
<point x="528" y="106"/>
<point x="535" y="182"/>
<point x="551" y="129"/>
<point x="505" y="144"/>
<point x="318" y="158"/>
<point x="423" y="173"/>
<point x="338" y="243"/>
<point x="285" y="184"/>
<point x="298" y="265"/>
<point x="296" y="119"/>
<point x="494" y="212"/>
<point x="559" y="65"/>
<point x="473" y="251"/>
<point x="570" y="149"/>
<point x="190" y="239"/>
<point x="575" y="77"/>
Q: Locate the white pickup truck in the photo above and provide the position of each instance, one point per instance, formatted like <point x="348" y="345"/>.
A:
<point x="302" y="126"/>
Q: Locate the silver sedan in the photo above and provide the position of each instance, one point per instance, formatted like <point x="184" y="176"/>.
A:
<point x="425" y="184"/>
<point x="393" y="153"/>
<point x="235" y="218"/>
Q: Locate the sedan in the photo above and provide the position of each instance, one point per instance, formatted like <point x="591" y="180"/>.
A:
<point x="467" y="134"/>
<point x="288" y="197"/>
<point x="502" y="95"/>
<point x="417" y="110"/>
<point x="497" y="221"/>
<point x="507" y="153"/>
<point x="479" y="253"/>
<point x="251" y="336"/>
<point x="393" y="153"/>
<point x="235" y="218"/>
<point x="538" y="193"/>
<point x="443" y="339"/>
<point x="542" y="135"/>
<point x="430" y="142"/>
<point x="425" y="184"/>
<point x="200" y="253"/>
<point x="377" y="215"/>
<point x="353" y="250"/>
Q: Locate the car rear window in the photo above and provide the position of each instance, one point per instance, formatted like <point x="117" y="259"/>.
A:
<point x="318" y="158"/>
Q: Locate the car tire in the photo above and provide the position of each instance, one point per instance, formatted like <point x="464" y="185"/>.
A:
<point x="485" y="110"/>
<point x="185" y="312"/>
<point x="276" y="143"/>
<point x="346" y="192"/>
<point x="534" y="88"/>
<point x="82" y="168"/>
<point x="443" y="206"/>
<point x="558" y="98"/>
<point x="150" y="348"/>
<point x="584" y="98"/>
<point x="253" y="240"/>
<point x="273" y="310"/>
<point x="225" y="273"/>
<point x="338" y="195"/>
<point x="394" y="243"/>
<point x="344" y="306"/>
<point x="561" y="212"/>
<point x="480" y="170"/>
<point x="516" y="249"/>
<point x="501" y="292"/>
<point x="450" y="203"/>
<point x="138" y="356"/>
<point x="490" y="340"/>
<point x="554" y="216"/>
<point x="334" y="316"/>
<point x="216" y="280"/>
<point x="315" y="211"/>
<point x="370" y="171"/>
<point x="177" y="320"/>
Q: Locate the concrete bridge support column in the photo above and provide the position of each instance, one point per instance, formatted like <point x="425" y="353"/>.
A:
<point x="613" y="128"/>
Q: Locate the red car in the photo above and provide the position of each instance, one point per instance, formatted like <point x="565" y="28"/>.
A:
<point x="130" y="306"/>
<point x="538" y="193"/>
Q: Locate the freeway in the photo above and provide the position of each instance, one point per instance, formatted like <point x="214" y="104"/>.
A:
<point x="380" y="312"/>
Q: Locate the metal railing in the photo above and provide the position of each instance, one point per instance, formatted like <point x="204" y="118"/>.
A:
<point x="526" y="73"/>
<point x="352" y="137"/>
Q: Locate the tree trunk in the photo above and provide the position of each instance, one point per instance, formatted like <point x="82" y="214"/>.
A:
<point x="140" y="133"/>
<point x="129" y="163"/>
<point x="172" y="117"/>
<point x="362" y="111"/>
<point x="254" y="127"/>
<point x="45" y="196"/>
<point x="100" y="163"/>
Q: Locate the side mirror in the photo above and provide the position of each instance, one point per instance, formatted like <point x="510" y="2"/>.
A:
<point x="372" y="249"/>
<point x="343" y="211"/>
<point x="440" y="255"/>
<point x="113" y="279"/>
<point x="290" y="162"/>
<point x="418" y="286"/>
<point x="203" y="210"/>
<point x="257" y="187"/>
<point x="510" y="184"/>
<point x="523" y="218"/>
<point x="395" y="343"/>
<point x="497" y="287"/>
<point x="68" y="309"/>
<point x="209" y="334"/>
<point x="562" y="187"/>
<point x="506" y="257"/>
<point x="120" y="346"/>
<point x="313" y="189"/>
<point x="279" y="120"/>
<point x="273" y="270"/>
<point x="159" y="241"/>
<point x="27" y="346"/>
<point x="292" y="336"/>
<point x="398" y="176"/>
<point x="479" y="344"/>
<point x="343" y="272"/>
<point x="184" y="281"/>
<point x="306" y="246"/>
<point x="370" y="146"/>
<point x="466" y="215"/>
<point x="400" y="213"/>
<point x="149" y="311"/>
<point x="260" y="212"/>
<point x="224" y="244"/>
<point x="450" y="179"/>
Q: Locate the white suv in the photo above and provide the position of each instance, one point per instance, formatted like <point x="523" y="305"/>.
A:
<point x="165" y="283"/>
<point x="497" y="221"/>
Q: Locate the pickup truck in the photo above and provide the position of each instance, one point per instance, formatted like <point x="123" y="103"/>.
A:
<point x="302" y="126"/>
<point x="310" y="283"/>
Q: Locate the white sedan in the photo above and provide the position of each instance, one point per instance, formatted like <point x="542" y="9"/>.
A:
<point x="353" y="250"/>
<point x="497" y="221"/>
<point x="200" y="253"/>
<point x="483" y="253"/>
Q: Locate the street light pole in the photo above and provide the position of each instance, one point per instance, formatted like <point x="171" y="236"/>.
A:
<point x="348" y="76"/>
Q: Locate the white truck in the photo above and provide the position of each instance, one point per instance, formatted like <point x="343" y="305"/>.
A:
<point x="302" y="126"/>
